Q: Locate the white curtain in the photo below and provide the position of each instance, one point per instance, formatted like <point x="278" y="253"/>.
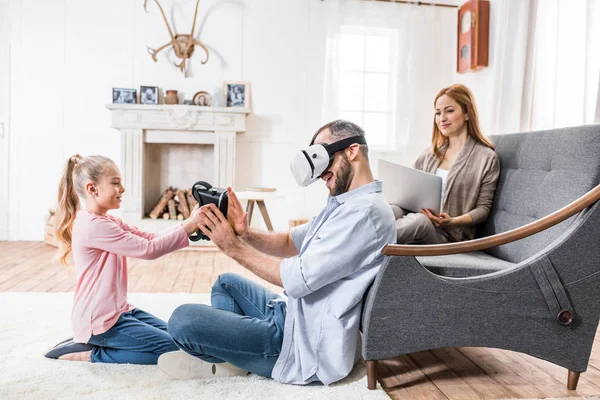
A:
<point x="424" y="62"/>
<point x="331" y="82"/>
<point x="597" y="120"/>
<point x="513" y="64"/>
<point x="543" y="72"/>
<point x="503" y="89"/>
<point x="566" y="64"/>
<point x="543" y="67"/>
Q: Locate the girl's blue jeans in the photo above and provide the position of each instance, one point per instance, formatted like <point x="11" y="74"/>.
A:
<point x="136" y="338"/>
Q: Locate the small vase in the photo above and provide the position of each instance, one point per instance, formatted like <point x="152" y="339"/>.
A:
<point x="171" y="97"/>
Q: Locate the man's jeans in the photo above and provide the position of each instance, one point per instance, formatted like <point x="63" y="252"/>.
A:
<point x="244" y="326"/>
<point x="136" y="338"/>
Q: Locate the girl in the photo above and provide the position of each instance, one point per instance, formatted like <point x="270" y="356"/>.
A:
<point x="468" y="165"/>
<point x="106" y="327"/>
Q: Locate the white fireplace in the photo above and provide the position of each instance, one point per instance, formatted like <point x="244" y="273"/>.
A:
<point x="173" y="145"/>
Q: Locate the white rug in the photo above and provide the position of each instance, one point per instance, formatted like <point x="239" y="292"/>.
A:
<point x="33" y="322"/>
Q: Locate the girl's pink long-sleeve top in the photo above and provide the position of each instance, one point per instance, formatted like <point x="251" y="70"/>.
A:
<point x="101" y="245"/>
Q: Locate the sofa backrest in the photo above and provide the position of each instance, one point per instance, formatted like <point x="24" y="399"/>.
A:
<point x="541" y="172"/>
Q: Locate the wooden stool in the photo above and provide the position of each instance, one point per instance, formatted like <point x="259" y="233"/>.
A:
<point x="259" y="199"/>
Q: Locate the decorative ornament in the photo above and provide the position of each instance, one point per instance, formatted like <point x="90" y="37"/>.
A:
<point x="183" y="45"/>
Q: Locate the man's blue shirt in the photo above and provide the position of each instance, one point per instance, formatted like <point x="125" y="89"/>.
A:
<point x="339" y="256"/>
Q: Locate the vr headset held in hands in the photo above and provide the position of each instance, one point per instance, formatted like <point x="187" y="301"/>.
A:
<point x="204" y="194"/>
<point x="308" y="165"/>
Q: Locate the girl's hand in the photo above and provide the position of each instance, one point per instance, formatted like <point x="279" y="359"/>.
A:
<point x="442" y="221"/>
<point x="236" y="215"/>
<point x="191" y="224"/>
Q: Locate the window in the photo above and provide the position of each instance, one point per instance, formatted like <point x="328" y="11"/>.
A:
<point x="367" y="66"/>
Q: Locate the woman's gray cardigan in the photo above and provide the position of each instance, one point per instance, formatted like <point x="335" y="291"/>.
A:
<point x="470" y="185"/>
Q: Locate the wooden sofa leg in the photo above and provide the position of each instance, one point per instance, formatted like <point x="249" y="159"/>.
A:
<point x="372" y="375"/>
<point x="573" y="380"/>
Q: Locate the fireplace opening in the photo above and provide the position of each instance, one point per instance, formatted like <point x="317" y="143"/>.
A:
<point x="176" y="167"/>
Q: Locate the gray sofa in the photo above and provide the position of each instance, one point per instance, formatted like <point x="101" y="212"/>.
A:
<point x="529" y="282"/>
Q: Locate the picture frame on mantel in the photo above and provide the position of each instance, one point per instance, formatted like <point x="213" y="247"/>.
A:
<point x="124" y="96"/>
<point x="201" y="99"/>
<point x="148" y="95"/>
<point x="237" y="93"/>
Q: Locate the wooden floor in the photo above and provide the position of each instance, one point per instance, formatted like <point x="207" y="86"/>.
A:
<point x="452" y="373"/>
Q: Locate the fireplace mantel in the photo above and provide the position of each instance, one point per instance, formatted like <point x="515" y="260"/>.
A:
<point x="180" y="126"/>
<point x="178" y="117"/>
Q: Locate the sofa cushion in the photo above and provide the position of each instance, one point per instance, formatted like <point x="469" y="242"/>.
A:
<point x="541" y="172"/>
<point x="465" y="264"/>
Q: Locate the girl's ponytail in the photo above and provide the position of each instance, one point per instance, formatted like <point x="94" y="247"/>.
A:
<point x="68" y="205"/>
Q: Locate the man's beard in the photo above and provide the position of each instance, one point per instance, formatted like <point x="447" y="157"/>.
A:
<point x="342" y="177"/>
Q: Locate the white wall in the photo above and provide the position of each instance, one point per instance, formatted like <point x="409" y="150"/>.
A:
<point x="67" y="55"/>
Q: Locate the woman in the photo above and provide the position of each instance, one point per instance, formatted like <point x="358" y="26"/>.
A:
<point x="468" y="165"/>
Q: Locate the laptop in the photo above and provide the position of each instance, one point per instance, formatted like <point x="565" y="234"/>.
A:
<point x="410" y="188"/>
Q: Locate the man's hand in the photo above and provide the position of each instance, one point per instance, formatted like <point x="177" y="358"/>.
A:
<point x="236" y="215"/>
<point x="442" y="221"/>
<point x="217" y="228"/>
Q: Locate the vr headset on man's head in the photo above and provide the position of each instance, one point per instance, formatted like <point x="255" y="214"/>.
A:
<point x="308" y="165"/>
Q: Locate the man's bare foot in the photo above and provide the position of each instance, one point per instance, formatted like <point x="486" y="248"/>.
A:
<point x="80" y="356"/>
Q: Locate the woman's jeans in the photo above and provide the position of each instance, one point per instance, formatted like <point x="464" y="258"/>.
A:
<point x="244" y="326"/>
<point x="136" y="338"/>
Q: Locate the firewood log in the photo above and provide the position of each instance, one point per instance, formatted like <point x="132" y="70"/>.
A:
<point x="181" y="196"/>
<point x="162" y="203"/>
<point x="191" y="200"/>
<point x="165" y="215"/>
<point x="172" y="211"/>
<point x="180" y="217"/>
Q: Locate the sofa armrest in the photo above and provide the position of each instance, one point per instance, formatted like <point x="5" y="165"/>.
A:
<point x="497" y="240"/>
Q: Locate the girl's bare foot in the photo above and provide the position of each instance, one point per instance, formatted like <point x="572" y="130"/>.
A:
<point x="80" y="356"/>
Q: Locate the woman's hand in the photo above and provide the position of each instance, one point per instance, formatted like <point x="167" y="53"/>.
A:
<point x="442" y="221"/>
<point x="236" y="215"/>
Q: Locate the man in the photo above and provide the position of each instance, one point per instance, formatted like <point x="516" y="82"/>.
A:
<point x="327" y="266"/>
